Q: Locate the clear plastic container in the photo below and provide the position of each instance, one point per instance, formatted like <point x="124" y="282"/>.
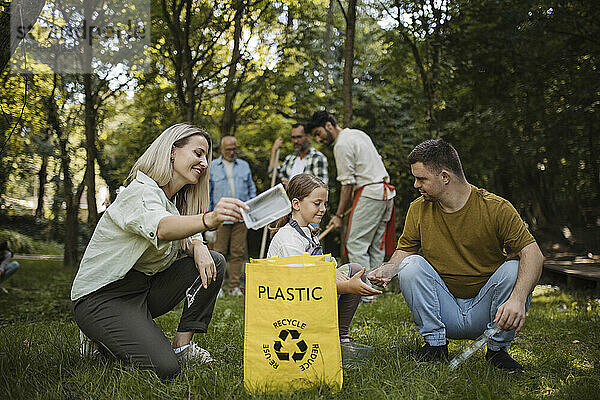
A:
<point x="267" y="207"/>
<point x="476" y="345"/>
<point x="355" y="354"/>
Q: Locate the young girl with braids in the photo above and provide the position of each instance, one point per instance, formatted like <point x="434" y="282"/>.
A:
<point x="294" y="236"/>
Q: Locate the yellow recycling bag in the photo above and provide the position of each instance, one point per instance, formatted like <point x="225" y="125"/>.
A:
<point x="291" y="338"/>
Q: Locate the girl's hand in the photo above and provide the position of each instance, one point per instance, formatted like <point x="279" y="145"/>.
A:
<point x="204" y="263"/>
<point x="227" y="210"/>
<point x="355" y="285"/>
<point x="340" y="277"/>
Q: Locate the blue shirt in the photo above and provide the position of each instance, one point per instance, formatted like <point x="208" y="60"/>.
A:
<point x="219" y="185"/>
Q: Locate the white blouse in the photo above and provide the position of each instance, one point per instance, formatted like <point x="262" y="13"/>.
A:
<point x="288" y="242"/>
<point x="126" y="237"/>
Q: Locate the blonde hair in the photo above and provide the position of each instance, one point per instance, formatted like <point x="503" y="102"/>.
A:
<point x="156" y="163"/>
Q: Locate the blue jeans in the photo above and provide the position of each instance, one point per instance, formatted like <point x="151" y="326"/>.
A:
<point x="9" y="269"/>
<point x="439" y="315"/>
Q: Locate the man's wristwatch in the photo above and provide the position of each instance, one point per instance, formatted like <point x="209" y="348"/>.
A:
<point x="340" y="216"/>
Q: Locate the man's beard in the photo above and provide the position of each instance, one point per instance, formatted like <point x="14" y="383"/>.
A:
<point x="427" y="197"/>
<point x="301" y="147"/>
<point x="329" y="139"/>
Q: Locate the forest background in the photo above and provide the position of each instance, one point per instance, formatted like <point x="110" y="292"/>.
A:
<point x="514" y="85"/>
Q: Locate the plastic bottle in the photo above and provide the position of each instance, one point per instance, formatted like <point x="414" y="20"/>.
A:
<point x="476" y="345"/>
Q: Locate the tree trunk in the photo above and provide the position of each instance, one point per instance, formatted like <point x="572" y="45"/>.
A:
<point x="90" y="150"/>
<point x="90" y="122"/>
<point x="71" y="251"/>
<point x="594" y="162"/>
<point x="43" y="179"/>
<point x="425" y="82"/>
<point x="70" y="257"/>
<point x="56" y="207"/>
<point x="228" y="119"/>
<point x="349" y="63"/>
<point x="327" y="44"/>
<point x="105" y="172"/>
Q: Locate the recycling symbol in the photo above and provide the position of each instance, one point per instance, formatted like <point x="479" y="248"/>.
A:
<point x="290" y="342"/>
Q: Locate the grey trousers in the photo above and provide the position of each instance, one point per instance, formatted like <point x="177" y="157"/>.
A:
<point x="366" y="232"/>
<point x="119" y="316"/>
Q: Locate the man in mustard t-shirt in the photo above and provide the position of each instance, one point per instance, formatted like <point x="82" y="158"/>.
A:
<point x="463" y="280"/>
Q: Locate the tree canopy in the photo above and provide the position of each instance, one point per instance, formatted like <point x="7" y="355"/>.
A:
<point x="513" y="85"/>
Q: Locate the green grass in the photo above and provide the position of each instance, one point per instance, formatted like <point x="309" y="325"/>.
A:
<point x="39" y="356"/>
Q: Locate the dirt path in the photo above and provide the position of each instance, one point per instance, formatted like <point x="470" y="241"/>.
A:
<point x="36" y="257"/>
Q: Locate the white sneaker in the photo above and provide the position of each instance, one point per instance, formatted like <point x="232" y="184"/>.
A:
<point x="221" y="294"/>
<point x="195" y="353"/>
<point x="237" y="292"/>
<point x="87" y="347"/>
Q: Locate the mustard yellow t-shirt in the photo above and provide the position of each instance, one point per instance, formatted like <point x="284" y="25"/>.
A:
<point x="467" y="246"/>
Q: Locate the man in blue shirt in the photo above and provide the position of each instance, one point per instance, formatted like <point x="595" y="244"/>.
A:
<point x="231" y="177"/>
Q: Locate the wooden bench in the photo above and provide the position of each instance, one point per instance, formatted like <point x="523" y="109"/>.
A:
<point x="579" y="268"/>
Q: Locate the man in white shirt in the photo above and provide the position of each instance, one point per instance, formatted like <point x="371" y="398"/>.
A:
<point x="361" y="172"/>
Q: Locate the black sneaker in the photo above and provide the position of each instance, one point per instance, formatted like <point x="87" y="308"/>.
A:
<point x="500" y="359"/>
<point x="429" y="353"/>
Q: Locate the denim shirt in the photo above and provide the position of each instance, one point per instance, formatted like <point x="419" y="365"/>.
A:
<point x="219" y="185"/>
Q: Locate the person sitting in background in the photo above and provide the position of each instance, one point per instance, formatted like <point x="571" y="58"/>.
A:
<point x="7" y="267"/>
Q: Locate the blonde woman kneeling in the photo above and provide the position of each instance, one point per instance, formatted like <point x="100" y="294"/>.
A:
<point x="130" y="272"/>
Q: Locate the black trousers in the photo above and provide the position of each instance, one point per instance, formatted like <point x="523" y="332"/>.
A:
<point x="119" y="317"/>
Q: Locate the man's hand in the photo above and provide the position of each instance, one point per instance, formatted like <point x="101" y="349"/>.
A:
<point x="272" y="159"/>
<point x="277" y="144"/>
<point x="335" y="221"/>
<point x="355" y="285"/>
<point x="383" y="275"/>
<point x="204" y="264"/>
<point x="511" y="315"/>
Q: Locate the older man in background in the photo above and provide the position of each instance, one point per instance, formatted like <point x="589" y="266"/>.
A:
<point x="230" y="176"/>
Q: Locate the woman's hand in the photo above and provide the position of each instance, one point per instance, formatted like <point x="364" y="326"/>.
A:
<point x="227" y="210"/>
<point x="204" y="263"/>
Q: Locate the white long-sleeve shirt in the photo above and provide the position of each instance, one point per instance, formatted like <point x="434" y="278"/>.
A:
<point x="359" y="164"/>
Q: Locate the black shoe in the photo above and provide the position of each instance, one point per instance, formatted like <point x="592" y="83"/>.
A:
<point x="501" y="359"/>
<point x="430" y="353"/>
